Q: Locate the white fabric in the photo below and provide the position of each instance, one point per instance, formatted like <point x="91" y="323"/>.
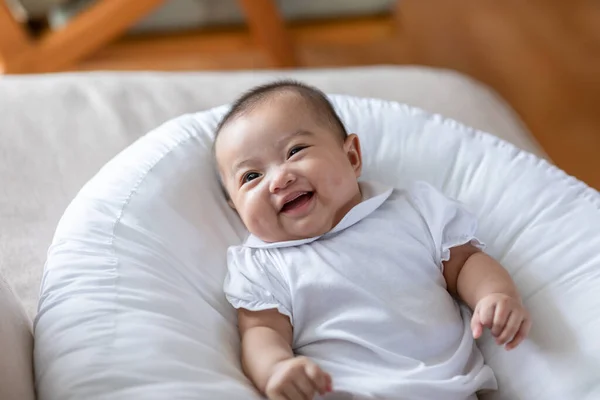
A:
<point x="368" y="300"/>
<point x="132" y="303"/>
<point x="16" y="342"/>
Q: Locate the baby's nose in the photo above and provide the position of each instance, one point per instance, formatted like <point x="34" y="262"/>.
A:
<point x="282" y="180"/>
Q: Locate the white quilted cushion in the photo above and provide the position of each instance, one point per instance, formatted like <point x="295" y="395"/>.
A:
<point x="132" y="307"/>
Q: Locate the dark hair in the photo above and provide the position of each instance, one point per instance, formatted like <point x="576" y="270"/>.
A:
<point x="315" y="99"/>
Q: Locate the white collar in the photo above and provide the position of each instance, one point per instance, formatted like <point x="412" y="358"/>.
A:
<point x="374" y="195"/>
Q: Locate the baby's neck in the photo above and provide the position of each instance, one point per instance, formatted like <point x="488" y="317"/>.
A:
<point x="353" y="202"/>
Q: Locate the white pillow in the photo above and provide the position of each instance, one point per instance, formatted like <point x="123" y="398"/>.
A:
<point x="132" y="304"/>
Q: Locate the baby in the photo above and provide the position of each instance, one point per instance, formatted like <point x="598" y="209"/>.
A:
<point x="348" y="289"/>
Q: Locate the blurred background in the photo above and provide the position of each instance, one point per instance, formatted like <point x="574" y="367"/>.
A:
<point x="542" y="56"/>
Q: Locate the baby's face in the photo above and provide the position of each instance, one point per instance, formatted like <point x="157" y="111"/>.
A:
<point x="289" y="176"/>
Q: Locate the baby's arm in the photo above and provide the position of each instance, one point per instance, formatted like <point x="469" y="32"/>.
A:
<point x="485" y="286"/>
<point x="269" y="361"/>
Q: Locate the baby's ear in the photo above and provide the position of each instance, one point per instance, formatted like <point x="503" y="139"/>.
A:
<point x="352" y="148"/>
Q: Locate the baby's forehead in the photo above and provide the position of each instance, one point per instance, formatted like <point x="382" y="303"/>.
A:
<point x="297" y="107"/>
<point x="292" y="100"/>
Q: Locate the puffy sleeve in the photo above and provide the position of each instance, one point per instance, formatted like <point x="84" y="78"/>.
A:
<point x="448" y="221"/>
<point x="254" y="283"/>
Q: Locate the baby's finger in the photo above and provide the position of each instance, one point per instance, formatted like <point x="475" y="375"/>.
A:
<point x="306" y="386"/>
<point x="276" y="393"/>
<point x="476" y="326"/>
<point x="318" y="377"/>
<point x="521" y="334"/>
<point x="291" y="392"/>
<point x="276" y="396"/>
<point x="501" y="317"/>
<point x="486" y="315"/>
<point x="279" y="395"/>
<point x="510" y="329"/>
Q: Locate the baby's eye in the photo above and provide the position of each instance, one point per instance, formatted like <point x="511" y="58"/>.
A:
<point x="295" y="150"/>
<point x="250" y="176"/>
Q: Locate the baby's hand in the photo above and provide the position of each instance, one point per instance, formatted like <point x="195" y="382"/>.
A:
<point x="506" y="317"/>
<point x="297" y="379"/>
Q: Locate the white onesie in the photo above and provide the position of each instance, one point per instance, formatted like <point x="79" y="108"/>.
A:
<point x="368" y="301"/>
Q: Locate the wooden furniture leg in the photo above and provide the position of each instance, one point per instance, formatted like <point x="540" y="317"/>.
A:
<point x="105" y="20"/>
<point x="14" y="38"/>
<point x="268" y="27"/>
<point x="102" y="22"/>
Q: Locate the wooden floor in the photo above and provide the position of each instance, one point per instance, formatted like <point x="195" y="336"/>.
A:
<point x="542" y="56"/>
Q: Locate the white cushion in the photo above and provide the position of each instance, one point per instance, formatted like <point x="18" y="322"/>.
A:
<point x="132" y="303"/>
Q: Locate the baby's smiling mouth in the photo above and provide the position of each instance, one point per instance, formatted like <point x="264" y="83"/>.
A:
<point x="297" y="201"/>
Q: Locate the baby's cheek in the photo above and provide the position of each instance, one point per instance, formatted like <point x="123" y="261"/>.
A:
<point x="258" y="216"/>
<point x="325" y="170"/>
<point x="334" y="176"/>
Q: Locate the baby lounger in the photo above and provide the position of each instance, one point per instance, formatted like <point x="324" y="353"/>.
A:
<point x="132" y="304"/>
